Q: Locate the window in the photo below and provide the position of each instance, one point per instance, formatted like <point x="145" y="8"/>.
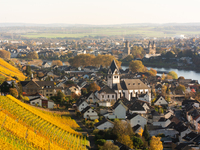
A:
<point x="50" y="90"/>
<point x="138" y="121"/>
<point x="128" y="83"/>
<point x="37" y="102"/>
<point x="138" y="83"/>
<point x="47" y="94"/>
<point x="88" y="111"/>
<point x="102" y="96"/>
<point x="46" y="90"/>
<point x="82" y="104"/>
<point x="108" y="96"/>
<point x="93" y="111"/>
<point x="33" y="103"/>
<point x="133" y="83"/>
<point x="109" y="76"/>
<point x="113" y="96"/>
<point x="50" y="94"/>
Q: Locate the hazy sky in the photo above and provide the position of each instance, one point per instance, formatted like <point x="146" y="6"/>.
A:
<point x="99" y="12"/>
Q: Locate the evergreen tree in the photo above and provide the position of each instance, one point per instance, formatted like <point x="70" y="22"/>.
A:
<point x="146" y="133"/>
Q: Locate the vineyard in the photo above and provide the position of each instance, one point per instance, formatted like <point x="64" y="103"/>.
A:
<point x="26" y="127"/>
<point x="8" y="70"/>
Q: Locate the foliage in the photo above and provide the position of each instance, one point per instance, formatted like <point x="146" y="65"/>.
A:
<point x="26" y="99"/>
<point x="125" y="139"/>
<point x="32" y="55"/>
<point x="19" y="127"/>
<point x="180" y="87"/>
<point x="84" y="60"/>
<point x="101" y="142"/>
<point x="140" y="132"/>
<point x="122" y="128"/>
<point x="4" y="54"/>
<point x="93" y="87"/>
<point x="136" y="66"/>
<point x="155" y="143"/>
<point x="109" y="146"/>
<point x="146" y="133"/>
<point x="7" y="70"/>
<point x="181" y="77"/>
<point x="13" y="92"/>
<point x="152" y="72"/>
<point x="173" y="74"/>
<point x="137" y="142"/>
<point x="56" y="62"/>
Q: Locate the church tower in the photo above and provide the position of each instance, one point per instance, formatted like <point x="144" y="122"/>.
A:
<point x="113" y="76"/>
<point x="127" y="48"/>
<point x="152" y="48"/>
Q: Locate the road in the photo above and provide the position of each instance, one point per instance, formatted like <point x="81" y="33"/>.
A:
<point x="89" y="131"/>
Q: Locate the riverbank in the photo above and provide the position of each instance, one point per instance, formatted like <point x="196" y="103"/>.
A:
<point x="167" y="66"/>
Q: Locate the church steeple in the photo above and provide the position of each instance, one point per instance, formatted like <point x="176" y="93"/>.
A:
<point x="113" y="76"/>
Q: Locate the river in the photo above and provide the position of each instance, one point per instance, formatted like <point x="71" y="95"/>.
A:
<point x="187" y="74"/>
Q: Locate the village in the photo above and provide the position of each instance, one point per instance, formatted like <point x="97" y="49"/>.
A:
<point x="92" y="85"/>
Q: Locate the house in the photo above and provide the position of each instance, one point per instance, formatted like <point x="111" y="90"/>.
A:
<point x="136" y="119"/>
<point x="158" y="88"/>
<point x="91" y="98"/>
<point x="106" y="96"/>
<point x="81" y="104"/>
<point x="160" y="101"/>
<point x="128" y="88"/>
<point x="72" y="89"/>
<point x="45" y="65"/>
<point x="162" y="122"/>
<point x="46" y="88"/>
<point x="89" y="113"/>
<point x="120" y="110"/>
<point x="145" y="97"/>
<point x="104" y="124"/>
<point x="42" y="102"/>
<point x="138" y="107"/>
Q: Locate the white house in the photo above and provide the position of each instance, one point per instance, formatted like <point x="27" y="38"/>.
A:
<point x="81" y="104"/>
<point x="145" y="97"/>
<point x="104" y="124"/>
<point x="106" y="94"/>
<point x="136" y="119"/>
<point x="89" y="113"/>
<point x="91" y="98"/>
<point x="162" y="122"/>
<point x="42" y="102"/>
<point x="160" y="101"/>
<point x="120" y="110"/>
<point x="45" y="65"/>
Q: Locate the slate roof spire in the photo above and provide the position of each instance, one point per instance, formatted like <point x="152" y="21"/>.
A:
<point x="113" y="66"/>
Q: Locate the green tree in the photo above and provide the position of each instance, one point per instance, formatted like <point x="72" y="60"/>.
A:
<point x="180" y="87"/>
<point x="146" y="133"/>
<point x="60" y="96"/>
<point x="137" y="142"/>
<point x="136" y="66"/>
<point x="173" y="74"/>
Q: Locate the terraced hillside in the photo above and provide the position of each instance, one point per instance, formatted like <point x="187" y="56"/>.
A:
<point x="26" y="127"/>
<point x="8" y="70"/>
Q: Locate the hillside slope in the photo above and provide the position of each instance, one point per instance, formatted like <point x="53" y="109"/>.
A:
<point x="26" y="127"/>
<point x="8" y="70"/>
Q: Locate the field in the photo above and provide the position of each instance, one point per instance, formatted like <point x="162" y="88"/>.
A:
<point x="111" y="31"/>
<point x="9" y="71"/>
<point x="26" y="127"/>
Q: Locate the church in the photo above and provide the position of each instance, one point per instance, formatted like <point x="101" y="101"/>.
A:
<point x="128" y="88"/>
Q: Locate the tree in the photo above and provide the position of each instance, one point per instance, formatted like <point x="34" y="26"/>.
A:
<point x="146" y="133"/>
<point x="136" y="66"/>
<point x="93" y="87"/>
<point x="155" y="143"/>
<point x="173" y="74"/>
<point x="152" y="72"/>
<point x="163" y="77"/>
<point x="126" y="140"/>
<point x="28" y="70"/>
<point x="181" y="77"/>
<point x="13" y="92"/>
<point x="60" y="96"/>
<point x="109" y="146"/>
<point x="56" y="62"/>
<point x="4" y="54"/>
<point x="180" y="87"/>
<point x="137" y="142"/>
<point x="32" y="55"/>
